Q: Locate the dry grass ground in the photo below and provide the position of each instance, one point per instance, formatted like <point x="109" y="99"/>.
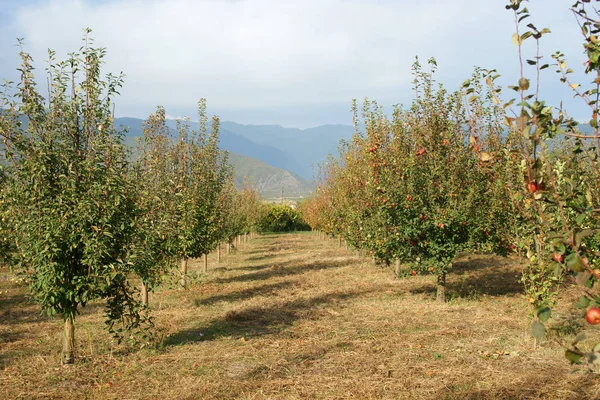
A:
<point x="292" y="317"/>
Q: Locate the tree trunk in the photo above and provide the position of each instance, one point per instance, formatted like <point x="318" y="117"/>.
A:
<point x="205" y="268"/>
<point x="184" y="267"/>
<point x="144" y="293"/>
<point x="219" y="253"/>
<point x="69" y="343"/>
<point x="441" y="288"/>
<point x="340" y="242"/>
<point x="346" y="244"/>
<point x="228" y="248"/>
<point x="245" y="237"/>
<point x="397" y="267"/>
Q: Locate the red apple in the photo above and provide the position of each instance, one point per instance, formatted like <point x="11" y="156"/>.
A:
<point x="593" y="315"/>
<point x="531" y="187"/>
<point x="421" y="151"/>
<point x="415" y="272"/>
<point x="558" y="257"/>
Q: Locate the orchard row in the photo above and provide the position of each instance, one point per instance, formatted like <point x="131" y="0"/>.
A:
<point x="470" y="171"/>
<point x="81" y="215"/>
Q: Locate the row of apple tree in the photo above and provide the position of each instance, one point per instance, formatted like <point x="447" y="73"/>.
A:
<point x="470" y="171"/>
<point x="82" y="215"/>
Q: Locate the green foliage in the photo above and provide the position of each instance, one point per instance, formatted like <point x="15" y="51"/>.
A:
<point x="415" y="187"/>
<point x="152" y="250"/>
<point x="558" y="193"/>
<point x="201" y="173"/>
<point x="280" y="218"/>
<point x="68" y="197"/>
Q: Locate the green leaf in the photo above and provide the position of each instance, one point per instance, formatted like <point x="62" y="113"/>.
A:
<point x="573" y="357"/>
<point x="583" y="302"/>
<point x="574" y="262"/>
<point x="538" y="330"/>
<point x="544" y="314"/>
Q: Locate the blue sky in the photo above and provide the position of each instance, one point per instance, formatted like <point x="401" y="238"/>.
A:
<point x="293" y="63"/>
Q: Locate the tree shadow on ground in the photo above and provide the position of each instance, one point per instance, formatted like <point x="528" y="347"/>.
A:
<point x="281" y="269"/>
<point x="245" y="294"/>
<point x="579" y="388"/>
<point x="493" y="276"/>
<point x="19" y="309"/>
<point x="258" y="258"/>
<point x="260" y="321"/>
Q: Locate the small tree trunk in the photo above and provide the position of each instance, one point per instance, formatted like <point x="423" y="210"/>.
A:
<point x="205" y="268"/>
<point x="184" y="267"/>
<point x="397" y="267"/>
<point x="228" y="248"/>
<point x="219" y="253"/>
<point x="339" y="241"/>
<point x="245" y="237"/>
<point x="441" y="288"/>
<point x="144" y="293"/>
<point x="346" y="244"/>
<point x="69" y="343"/>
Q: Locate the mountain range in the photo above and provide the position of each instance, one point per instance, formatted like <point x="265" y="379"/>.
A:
<point x="272" y="157"/>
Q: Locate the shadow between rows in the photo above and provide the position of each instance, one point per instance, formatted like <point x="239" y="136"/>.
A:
<point x="245" y="294"/>
<point x="281" y="269"/>
<point x="259" y="321"/>
<point x="19" y="309"/>
<point x="533" y="389"/>
<point x="493" y="276"/>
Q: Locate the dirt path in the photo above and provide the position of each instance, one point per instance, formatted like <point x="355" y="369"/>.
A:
<point x="292" y="317"/>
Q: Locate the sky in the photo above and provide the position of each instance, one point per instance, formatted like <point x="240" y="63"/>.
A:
<point x="296" y="63"/>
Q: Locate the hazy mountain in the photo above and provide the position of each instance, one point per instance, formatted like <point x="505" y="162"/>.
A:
<point x="308" y="146"/>
<point x="228" y="141"/>
<point x="267" y="179"/>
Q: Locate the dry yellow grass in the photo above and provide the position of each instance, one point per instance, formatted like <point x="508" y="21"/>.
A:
<point x="292" y="317"/>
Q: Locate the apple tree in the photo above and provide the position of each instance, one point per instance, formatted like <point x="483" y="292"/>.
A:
<point x="558" y="157"/>
<point x="68" y="197"/>
<point x="201" y="171"/>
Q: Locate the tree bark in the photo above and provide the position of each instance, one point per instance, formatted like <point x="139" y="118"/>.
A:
<point x="205" y="268"/>
<point x="219" y="253"/>
<point x="144" y="293"/>
<point x="441" y="288"/>
<point x="397" y="267"/>
<point x="339" y="241"/>
<point x="228" y="248"/>
<point x="69" y="343"/>
<point x="184" y="268"/>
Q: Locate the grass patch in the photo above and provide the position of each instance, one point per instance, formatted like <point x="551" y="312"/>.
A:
<point x="290" y="316"/>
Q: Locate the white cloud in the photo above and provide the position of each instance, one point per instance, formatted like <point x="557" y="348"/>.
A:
<point x="260" y="54"/>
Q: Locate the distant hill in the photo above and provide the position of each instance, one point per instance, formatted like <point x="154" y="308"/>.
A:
<point x="267" y="179"/>
<point x="310" y="146"/>
<point x="227" y="141"/>
<point x="297" y="150"/>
